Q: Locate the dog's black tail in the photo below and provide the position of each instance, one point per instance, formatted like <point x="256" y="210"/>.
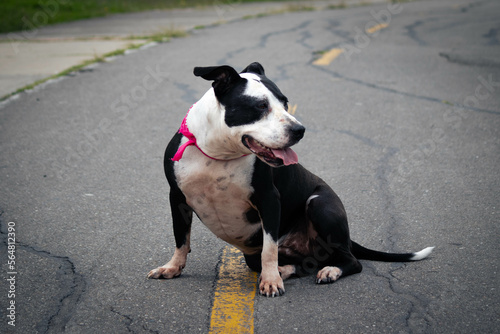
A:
<point x="364" y="253"/>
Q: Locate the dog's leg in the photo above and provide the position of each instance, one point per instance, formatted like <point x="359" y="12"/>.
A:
<point x="266" y="200"/>
<point x="271" y="283"/>
<point x="254" y="262"/>
<point x="327" y="214"/>
<point x="182" y="216"/>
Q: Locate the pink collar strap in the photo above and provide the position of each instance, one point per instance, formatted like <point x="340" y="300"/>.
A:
<point x="191" y="141"/>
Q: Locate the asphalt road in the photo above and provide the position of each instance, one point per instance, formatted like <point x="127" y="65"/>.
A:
<point x="404" y="125"/>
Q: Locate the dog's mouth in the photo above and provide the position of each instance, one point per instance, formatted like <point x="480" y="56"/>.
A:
<point x="273" y="156"/>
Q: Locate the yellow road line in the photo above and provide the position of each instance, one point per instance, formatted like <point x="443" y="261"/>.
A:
<point x="232" y="310"/>
<point x="292" y="109"/>
<point x="376" y="28"/>
<point x="328" y="57"/>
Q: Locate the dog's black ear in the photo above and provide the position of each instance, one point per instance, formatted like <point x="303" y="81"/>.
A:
<point x="224" y="77"/>
<point x="254" y="68"/>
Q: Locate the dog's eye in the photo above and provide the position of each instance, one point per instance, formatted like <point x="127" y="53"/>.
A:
<point x="263" y="106"/>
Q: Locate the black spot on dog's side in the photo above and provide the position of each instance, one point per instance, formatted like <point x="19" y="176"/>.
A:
<point x="252" y="216"/>
<point x="256" y="240"/>
<point x="220" y="184"/>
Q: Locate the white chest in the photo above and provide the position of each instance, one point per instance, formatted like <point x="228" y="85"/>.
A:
<point x="219" y="192"/>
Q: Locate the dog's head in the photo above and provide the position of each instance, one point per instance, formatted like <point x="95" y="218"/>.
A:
<point x="255" y="112"/>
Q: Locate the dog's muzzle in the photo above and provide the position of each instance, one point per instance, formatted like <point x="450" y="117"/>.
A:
<point x="280" y="156"/>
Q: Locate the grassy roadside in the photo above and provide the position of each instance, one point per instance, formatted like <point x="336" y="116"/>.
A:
<point x="160" y="37"/>
<point x="18" y="15"/>
<point x="70" y="70"/>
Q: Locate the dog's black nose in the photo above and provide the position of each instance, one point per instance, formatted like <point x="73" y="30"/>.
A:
<point x="296" y="132"/>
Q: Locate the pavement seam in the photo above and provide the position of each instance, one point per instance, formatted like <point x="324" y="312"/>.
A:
<point x="337" y="75"/>
<point x="417" y="306"/>
<point x="382" y="172"/>
<point x="262" y="41"/>
<point x="214" y="286"/>
<point x="131" y="321"/>
<point x="127" y="318"/>
<point x="67" y="304"/>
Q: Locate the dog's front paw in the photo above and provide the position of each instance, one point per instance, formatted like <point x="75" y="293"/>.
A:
<point x="328" y="275"/>
<point x="271" y="285"/>
<point x="165" y="271"/>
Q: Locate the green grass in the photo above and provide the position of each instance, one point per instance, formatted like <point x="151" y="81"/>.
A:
<point x="341" y="5"/>
<point x="162" y="36"/>
<point x="18" y="15"/>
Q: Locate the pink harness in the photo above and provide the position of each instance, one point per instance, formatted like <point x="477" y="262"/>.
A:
<point x="191" y="141"/>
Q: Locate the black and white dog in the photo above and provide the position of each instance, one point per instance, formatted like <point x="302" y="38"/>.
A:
<point x="222" y="164"/>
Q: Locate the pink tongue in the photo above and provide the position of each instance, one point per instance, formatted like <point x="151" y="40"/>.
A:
<point x="288" y="156"/>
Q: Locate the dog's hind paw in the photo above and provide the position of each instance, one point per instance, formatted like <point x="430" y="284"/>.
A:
<point x="287" y="271"/>
<point x="328" y="275"/>
<point x="165" y="272"/>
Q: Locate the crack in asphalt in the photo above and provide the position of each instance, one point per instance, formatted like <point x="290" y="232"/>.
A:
<point x="75" y="286"/>
<point x="464" y="60"/>
<point x="382" y="172"/>
<point x="189" y="95"/>
<point x="418" y="305"/>
<point x="492" y="36"/>
<point x="417" y="310"/>
<point x="466" y="8"/>
<point x="129" y="321"/>
<point x="398" y="92"/>
<point x="262" y="41"/>
<point x="127" y="318"/>
<point x="333" y="27"/>
<point x="412" y="34"/>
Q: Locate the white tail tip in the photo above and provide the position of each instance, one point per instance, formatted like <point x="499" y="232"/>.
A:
<point x="422" y="254"/>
